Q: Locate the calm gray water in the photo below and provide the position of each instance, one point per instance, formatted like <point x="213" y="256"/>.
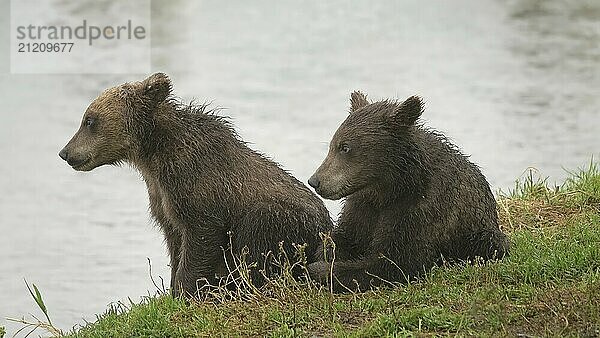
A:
<point x="514" y="83"/>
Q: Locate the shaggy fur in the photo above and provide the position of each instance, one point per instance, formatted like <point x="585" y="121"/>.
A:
<point x="204" y="183"/>
<point x="412" y="199"/>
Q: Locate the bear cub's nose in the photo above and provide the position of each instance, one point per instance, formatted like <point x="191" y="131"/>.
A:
<point x="64" y="154"/>
<point x="314" y="181"/>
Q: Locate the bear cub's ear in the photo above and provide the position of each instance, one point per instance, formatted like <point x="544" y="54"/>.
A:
<point x="357" y="100"/>
<point x="157" y="87"/>
<point x="409" y="111"/>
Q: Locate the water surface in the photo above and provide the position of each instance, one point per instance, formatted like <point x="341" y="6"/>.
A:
<point x="514" y="83"/>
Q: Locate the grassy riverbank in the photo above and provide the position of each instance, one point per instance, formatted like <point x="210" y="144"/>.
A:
<point x="550" y="285"/>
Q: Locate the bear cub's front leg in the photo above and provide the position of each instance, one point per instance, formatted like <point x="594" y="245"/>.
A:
<point x="200" y="255"/>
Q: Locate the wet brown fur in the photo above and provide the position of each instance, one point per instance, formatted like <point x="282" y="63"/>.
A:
<point x="413" y="200"/>
<point x="203" y="182"/>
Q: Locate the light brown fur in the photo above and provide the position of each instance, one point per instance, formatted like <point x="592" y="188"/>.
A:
<point x="203" y="182"/>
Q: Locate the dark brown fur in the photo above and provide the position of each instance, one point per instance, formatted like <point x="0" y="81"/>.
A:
<point x="203" y="181"/>
<point x="412" y="199"/>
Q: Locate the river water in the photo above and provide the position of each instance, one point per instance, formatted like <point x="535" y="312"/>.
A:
<point x="514" y="83"/>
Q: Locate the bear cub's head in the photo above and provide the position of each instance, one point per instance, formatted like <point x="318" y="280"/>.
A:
<point x="111" y="125"/>
<point x="361" y="151"/>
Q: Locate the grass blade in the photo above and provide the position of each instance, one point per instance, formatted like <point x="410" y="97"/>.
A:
<point x="37" y="296"/>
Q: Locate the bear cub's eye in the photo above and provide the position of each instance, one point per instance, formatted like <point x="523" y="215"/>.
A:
<point x="344" y="148"/>
<point x="89" y="122"/>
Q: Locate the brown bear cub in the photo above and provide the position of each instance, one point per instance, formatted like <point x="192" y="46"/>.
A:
<point x="206" y="187"/>
<point x="412" y="199"/>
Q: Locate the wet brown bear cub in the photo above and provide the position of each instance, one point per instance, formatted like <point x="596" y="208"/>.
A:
<point x="203" y="182"/>
<point x="412" y="199"/>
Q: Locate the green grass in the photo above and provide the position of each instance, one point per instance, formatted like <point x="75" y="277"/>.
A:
<point x="549" y="286"/>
